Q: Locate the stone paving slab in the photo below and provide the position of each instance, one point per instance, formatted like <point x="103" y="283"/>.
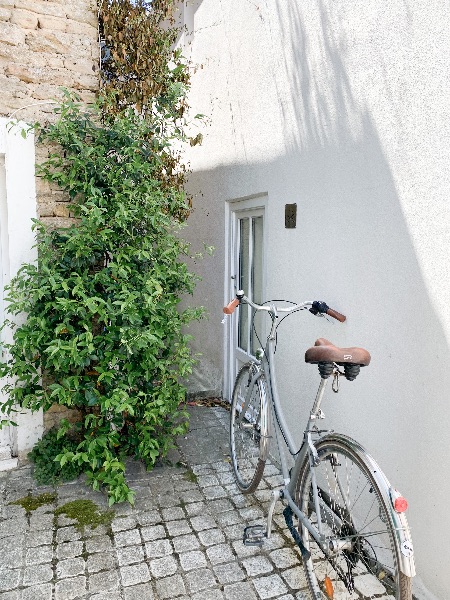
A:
<point x="182" y="540"/>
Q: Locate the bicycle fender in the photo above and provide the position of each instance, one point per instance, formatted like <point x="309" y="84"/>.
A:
<point x="402" y="539"/>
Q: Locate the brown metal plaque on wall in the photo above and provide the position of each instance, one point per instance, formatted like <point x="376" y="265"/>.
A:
<point x="290" y="216"/>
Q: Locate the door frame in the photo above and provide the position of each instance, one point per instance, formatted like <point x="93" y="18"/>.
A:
<point x="17" y="209"/>
<point x="8" y="435"/>
<point x="234" y="208"/>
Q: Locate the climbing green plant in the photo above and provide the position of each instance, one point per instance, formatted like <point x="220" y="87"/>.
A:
<point x="104" y="331"/>
<point x="96" y="323"/>
<point x="46" y="470"/>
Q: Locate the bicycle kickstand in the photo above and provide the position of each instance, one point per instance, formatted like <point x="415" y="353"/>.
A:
<point x="254" y="535"/>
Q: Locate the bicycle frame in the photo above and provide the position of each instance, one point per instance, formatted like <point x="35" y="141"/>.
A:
<point x="265" y="364"/>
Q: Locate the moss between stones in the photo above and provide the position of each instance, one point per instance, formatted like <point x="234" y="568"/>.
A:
<point x="86" y="513"/>
<point x="191" y="476"/>
<point x="30" y="503"/>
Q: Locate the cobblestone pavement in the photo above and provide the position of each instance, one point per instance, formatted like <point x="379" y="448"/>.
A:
<point x="182" y="539"/>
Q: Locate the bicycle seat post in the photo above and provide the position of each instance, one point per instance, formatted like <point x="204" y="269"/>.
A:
<point x="316" y="412"/>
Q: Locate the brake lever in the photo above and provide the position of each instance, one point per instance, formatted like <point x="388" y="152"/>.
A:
<point x="323" y="316"/>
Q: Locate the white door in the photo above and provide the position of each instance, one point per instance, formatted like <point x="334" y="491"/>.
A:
<point x="246" y="329"/>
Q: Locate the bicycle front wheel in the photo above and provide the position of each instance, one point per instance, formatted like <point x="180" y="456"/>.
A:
<point x="356" y="524"/>
<point x="248" y="428"/>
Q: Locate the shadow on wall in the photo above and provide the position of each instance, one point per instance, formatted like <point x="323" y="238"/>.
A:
<point x="321" y="97"/>
<point x="354" y="243"/>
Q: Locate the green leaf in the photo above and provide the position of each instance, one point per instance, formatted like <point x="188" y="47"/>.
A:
<point x="91" y="397"/>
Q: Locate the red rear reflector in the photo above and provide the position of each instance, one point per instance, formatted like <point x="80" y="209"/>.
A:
<point x="329" y="590"/>
<point x="400" y="504"/>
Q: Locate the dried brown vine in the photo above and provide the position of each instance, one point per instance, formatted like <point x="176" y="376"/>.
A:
<point x="142" y="69"/>
<point x="139" y="62"/>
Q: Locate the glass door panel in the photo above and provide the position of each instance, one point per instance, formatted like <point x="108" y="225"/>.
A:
<point x="244" y="280"/>
<point x="257" y="282"/>
<point x="250" y="279"/>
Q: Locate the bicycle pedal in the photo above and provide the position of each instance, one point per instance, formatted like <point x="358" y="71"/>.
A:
<point x="254" y="535"/>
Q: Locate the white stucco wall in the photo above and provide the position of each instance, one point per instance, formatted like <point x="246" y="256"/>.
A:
<point x="18" y="207"/>
<point x="342" y="108"/>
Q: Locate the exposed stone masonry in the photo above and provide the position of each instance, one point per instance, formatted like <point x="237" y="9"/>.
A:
<point x="46" y="45"/>
<point x="56" y="412"/>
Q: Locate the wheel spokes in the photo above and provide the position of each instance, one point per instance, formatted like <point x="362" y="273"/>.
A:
<point x="355" y="523"/>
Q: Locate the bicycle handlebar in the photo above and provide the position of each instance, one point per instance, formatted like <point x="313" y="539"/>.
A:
<point x="316" y="307"/>
<point x="336" y="315"/>
<point x="230" y="307"/>
<point x="323" y="308"/>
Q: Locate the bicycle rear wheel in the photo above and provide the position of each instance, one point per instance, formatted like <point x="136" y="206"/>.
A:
<point x="356" y="521"/>
<point x="248" y="428"/>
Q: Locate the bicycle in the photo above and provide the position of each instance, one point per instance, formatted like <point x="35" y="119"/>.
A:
<point x="352" y="531"/>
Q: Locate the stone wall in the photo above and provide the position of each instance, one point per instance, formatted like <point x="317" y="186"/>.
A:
<point x="46" y="45"/>
<point x="53" y="416"/>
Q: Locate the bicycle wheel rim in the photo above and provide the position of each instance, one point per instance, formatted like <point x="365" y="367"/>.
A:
<point x="246" y="433"/>
<point x="354" y="516"/>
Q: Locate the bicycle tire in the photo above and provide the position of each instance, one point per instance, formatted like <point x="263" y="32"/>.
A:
<point x="248" y="436"/>
<point x="352" y="508"/>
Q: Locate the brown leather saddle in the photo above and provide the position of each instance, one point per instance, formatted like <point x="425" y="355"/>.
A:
<point x="324" y="353"/>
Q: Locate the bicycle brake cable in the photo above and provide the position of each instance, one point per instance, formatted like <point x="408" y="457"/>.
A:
<point x="279" y="322"/>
